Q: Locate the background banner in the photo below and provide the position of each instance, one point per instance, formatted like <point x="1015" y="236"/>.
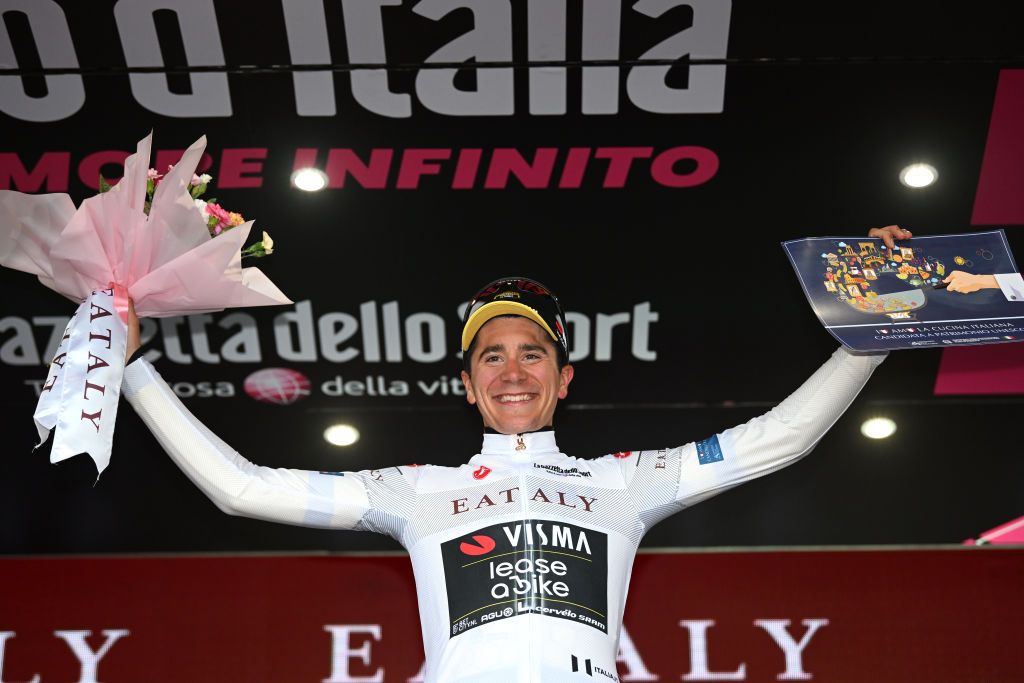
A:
<point x="643" y="159"/>
<point x="850" y="616"/>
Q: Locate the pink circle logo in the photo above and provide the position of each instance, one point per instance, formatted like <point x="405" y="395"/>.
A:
<point x="277" y="385"/>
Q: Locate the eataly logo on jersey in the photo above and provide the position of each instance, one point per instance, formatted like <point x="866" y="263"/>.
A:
<point x="509" y="496"/>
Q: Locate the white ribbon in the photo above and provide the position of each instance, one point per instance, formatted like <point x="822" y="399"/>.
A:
<point x="82" y="388"/>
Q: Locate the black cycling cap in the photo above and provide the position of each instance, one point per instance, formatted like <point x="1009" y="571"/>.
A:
<point x="516" y="296"/>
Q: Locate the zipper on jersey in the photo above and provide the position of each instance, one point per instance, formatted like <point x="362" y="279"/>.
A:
<point x="524" y="521"/>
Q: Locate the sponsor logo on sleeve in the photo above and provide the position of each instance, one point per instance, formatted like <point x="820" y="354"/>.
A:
<point x="661" y="459"/>
<point x="530" y="567"/>
<point x="709" y="451"/>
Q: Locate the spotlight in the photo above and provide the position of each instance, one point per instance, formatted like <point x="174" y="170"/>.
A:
<point x="309" y="179"/>
<point x="878" y="428"/>
<point x="919" y="175"/>
<point x="341" y="435"/>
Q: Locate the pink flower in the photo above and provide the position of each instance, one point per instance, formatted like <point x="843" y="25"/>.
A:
<point x="221" y="215"/>
<point x="153" y="174"/>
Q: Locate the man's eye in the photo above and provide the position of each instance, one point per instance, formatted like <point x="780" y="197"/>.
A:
<point x="492" y="359"/>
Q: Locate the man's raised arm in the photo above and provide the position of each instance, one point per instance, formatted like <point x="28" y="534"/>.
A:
<point x="375" y="501"/>
<point x="781" y="436"/>
<point x="765" y="444"/>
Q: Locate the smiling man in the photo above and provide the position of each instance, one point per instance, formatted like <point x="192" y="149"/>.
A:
<point x="523" y="555"/>
<point x="515" y="355"/>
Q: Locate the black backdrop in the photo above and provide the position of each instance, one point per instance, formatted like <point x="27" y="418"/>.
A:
<point x="822" y="106"/>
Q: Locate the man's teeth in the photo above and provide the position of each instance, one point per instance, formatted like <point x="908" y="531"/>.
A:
<point x="513" y="398"/>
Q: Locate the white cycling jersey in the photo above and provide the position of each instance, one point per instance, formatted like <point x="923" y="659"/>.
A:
<point x="522" y="556"/>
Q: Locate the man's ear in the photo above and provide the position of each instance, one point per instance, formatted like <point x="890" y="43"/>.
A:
<point x="467" y="382"/>
<point x="565" y="376"/>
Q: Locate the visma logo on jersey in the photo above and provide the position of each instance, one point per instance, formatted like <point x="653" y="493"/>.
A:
<point x="532" y="567"/>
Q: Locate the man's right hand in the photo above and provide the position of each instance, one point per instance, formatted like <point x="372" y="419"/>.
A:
<point x="889" y="234"/>
<point x="132" y="343"/>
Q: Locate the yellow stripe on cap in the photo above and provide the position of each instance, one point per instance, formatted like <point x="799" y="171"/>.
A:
<point x="494" y="309"/>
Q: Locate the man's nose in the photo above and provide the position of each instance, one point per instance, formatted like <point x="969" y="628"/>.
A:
<point x="513" y="371"/>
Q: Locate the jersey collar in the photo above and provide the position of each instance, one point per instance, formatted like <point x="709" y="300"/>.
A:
<point x="532" y="443"/>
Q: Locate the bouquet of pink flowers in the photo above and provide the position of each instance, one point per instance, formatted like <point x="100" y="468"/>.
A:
<point x="148" y="239"/>
<point x="216" y="217"/>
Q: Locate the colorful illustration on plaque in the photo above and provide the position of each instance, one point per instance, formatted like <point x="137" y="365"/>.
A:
<point x="872" y="298"/>
<point x="854" y="272"/>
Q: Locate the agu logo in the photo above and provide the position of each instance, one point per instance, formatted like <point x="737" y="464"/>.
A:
<point x="277" y="385"/>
